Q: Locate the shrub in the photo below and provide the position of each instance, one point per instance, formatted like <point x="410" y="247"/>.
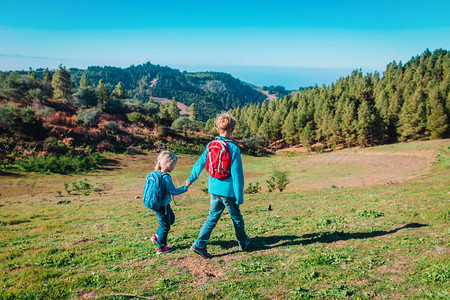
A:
<point x="36" y="94"/>
<point x="85" y="97"/>
<point x="114" y="106"/>
<point x="45" y="111"/>
<point x="134" y="117"/>
<point x="370" y="214"/>
<point x="183" y="124"/>
<point x="319" y="149"/>
<point x="252" y="146"/>
<point x="14" y="86"/>
<point x="88" y="117"/>
<point x="132" y="105"/>
<point x="113" y="127"/>
<point x="180" y="148"/>
<point x="63" y="164"/>
<point x="278" y="180"/>
<point x="252" y="189"/>
<point x="7" y="117"/>
<point x="51" y="144"/>
<point x="28" y="116"/>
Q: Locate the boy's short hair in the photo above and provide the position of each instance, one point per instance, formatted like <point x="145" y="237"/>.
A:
<point x="225" y="122"/>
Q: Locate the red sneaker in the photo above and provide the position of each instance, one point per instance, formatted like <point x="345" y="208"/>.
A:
<point x="154" y="238"/>
<point x="165" y="249"/>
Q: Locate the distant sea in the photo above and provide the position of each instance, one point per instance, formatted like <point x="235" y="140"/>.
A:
<point x="291" y="78"/>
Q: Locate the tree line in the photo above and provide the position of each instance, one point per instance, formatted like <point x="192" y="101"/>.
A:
<point x="410" y="101"/>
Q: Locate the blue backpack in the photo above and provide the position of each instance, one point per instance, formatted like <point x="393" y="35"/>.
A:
<point x="154" y="190"/>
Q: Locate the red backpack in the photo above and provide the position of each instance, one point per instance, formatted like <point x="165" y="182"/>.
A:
<point x="218" y="159"/>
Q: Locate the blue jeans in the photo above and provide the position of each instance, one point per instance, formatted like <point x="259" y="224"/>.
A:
<point x="166" y="218"/>
<point x="218" y="204"/>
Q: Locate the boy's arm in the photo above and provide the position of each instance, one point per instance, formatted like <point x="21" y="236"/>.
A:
<point x="198" y="167"/>
<point x="237" y="174"/>
<point x="170" y="188"/>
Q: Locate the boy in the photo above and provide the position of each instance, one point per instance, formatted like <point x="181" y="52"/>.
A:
<point x="225" y="192"/>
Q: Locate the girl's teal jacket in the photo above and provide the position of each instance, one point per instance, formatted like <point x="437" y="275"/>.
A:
<point x="230" y="187"/>
<point x="170" y="188"/>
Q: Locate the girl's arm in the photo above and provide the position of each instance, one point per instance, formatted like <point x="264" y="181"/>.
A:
<point x="170" y="188"/>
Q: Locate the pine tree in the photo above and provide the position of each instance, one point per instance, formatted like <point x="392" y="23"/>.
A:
<point x="32" y="75"/>
<point x="349" y="122"/>
<point x="119" y="92"/>
<point x="437" y="122"/>
<point x="264" y="129"/>
<point x="84" y="81"/>
<point x="307" y="135"/>
<point x="102" y="92"/>
<point x="289" y="129"/>
<point x="174" y="111"/>
<point x="62" y="86"/>
<point x="412" y="116"/>
<point x="85" y="95"/>
<point x="364" y="127"/>
<point x="193" y="112"/>
<point x="46" y="76"/>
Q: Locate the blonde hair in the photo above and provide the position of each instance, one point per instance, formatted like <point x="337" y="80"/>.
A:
<point x="165" y="159"/>
<point x="225" y="122"/>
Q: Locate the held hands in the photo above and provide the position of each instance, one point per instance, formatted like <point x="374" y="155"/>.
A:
<point x="188" y="184"/>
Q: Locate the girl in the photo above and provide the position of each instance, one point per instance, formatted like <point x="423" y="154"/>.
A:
<point x="166" y="164"/>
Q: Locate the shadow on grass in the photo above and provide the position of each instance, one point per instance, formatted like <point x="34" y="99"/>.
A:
<point x="10" y="174"/>
<point x="264" y="243"/>
<point x="110" y="165"/>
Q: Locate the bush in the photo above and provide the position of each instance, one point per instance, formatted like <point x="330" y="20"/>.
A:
<point x="88" y="117"/>
<point x="36" y="94"/>
<point x="51" y="144"/>
<point x="319" y="149"/>
<point x="183" y="124"/>
<point x="64" y="164"/>
<point x="114" y="106"/>
<point x="134" y="117"/>
<point x="14" y="86"/>
<point x="252" y="189"/>
<point x="45" y="111"/>
<point x="278" y="180"/>
<point x="7" y="117"/>
<point x="28" y="116"/>
<point x="85" y="97"/>
<point x="113" y="127"/>
<point x="148" y="108"/>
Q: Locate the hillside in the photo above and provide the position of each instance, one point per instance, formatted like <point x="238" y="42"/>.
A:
<point x="211" y="91"/>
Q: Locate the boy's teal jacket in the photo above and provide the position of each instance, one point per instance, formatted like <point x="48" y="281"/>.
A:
<point x="230" y="187"/>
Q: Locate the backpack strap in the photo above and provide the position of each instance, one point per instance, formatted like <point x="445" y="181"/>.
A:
<point x="163" y="174"/>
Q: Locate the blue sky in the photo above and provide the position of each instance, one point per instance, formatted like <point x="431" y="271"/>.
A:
<point x="262" y="42"/>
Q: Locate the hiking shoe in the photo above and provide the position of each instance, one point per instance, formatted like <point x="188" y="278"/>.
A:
<point x="165" y="249"/>
<point x="200" y="251"/>
<point x="154" y="238"/>
<point x="244" y="247"/>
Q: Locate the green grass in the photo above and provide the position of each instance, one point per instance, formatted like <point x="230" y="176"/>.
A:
<point x="374" y="241"/>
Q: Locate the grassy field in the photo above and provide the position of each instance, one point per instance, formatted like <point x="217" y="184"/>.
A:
<point x="358" y="224"/>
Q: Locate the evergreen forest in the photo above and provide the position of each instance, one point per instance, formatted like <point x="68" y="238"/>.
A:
<point x="408" y="102"/>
